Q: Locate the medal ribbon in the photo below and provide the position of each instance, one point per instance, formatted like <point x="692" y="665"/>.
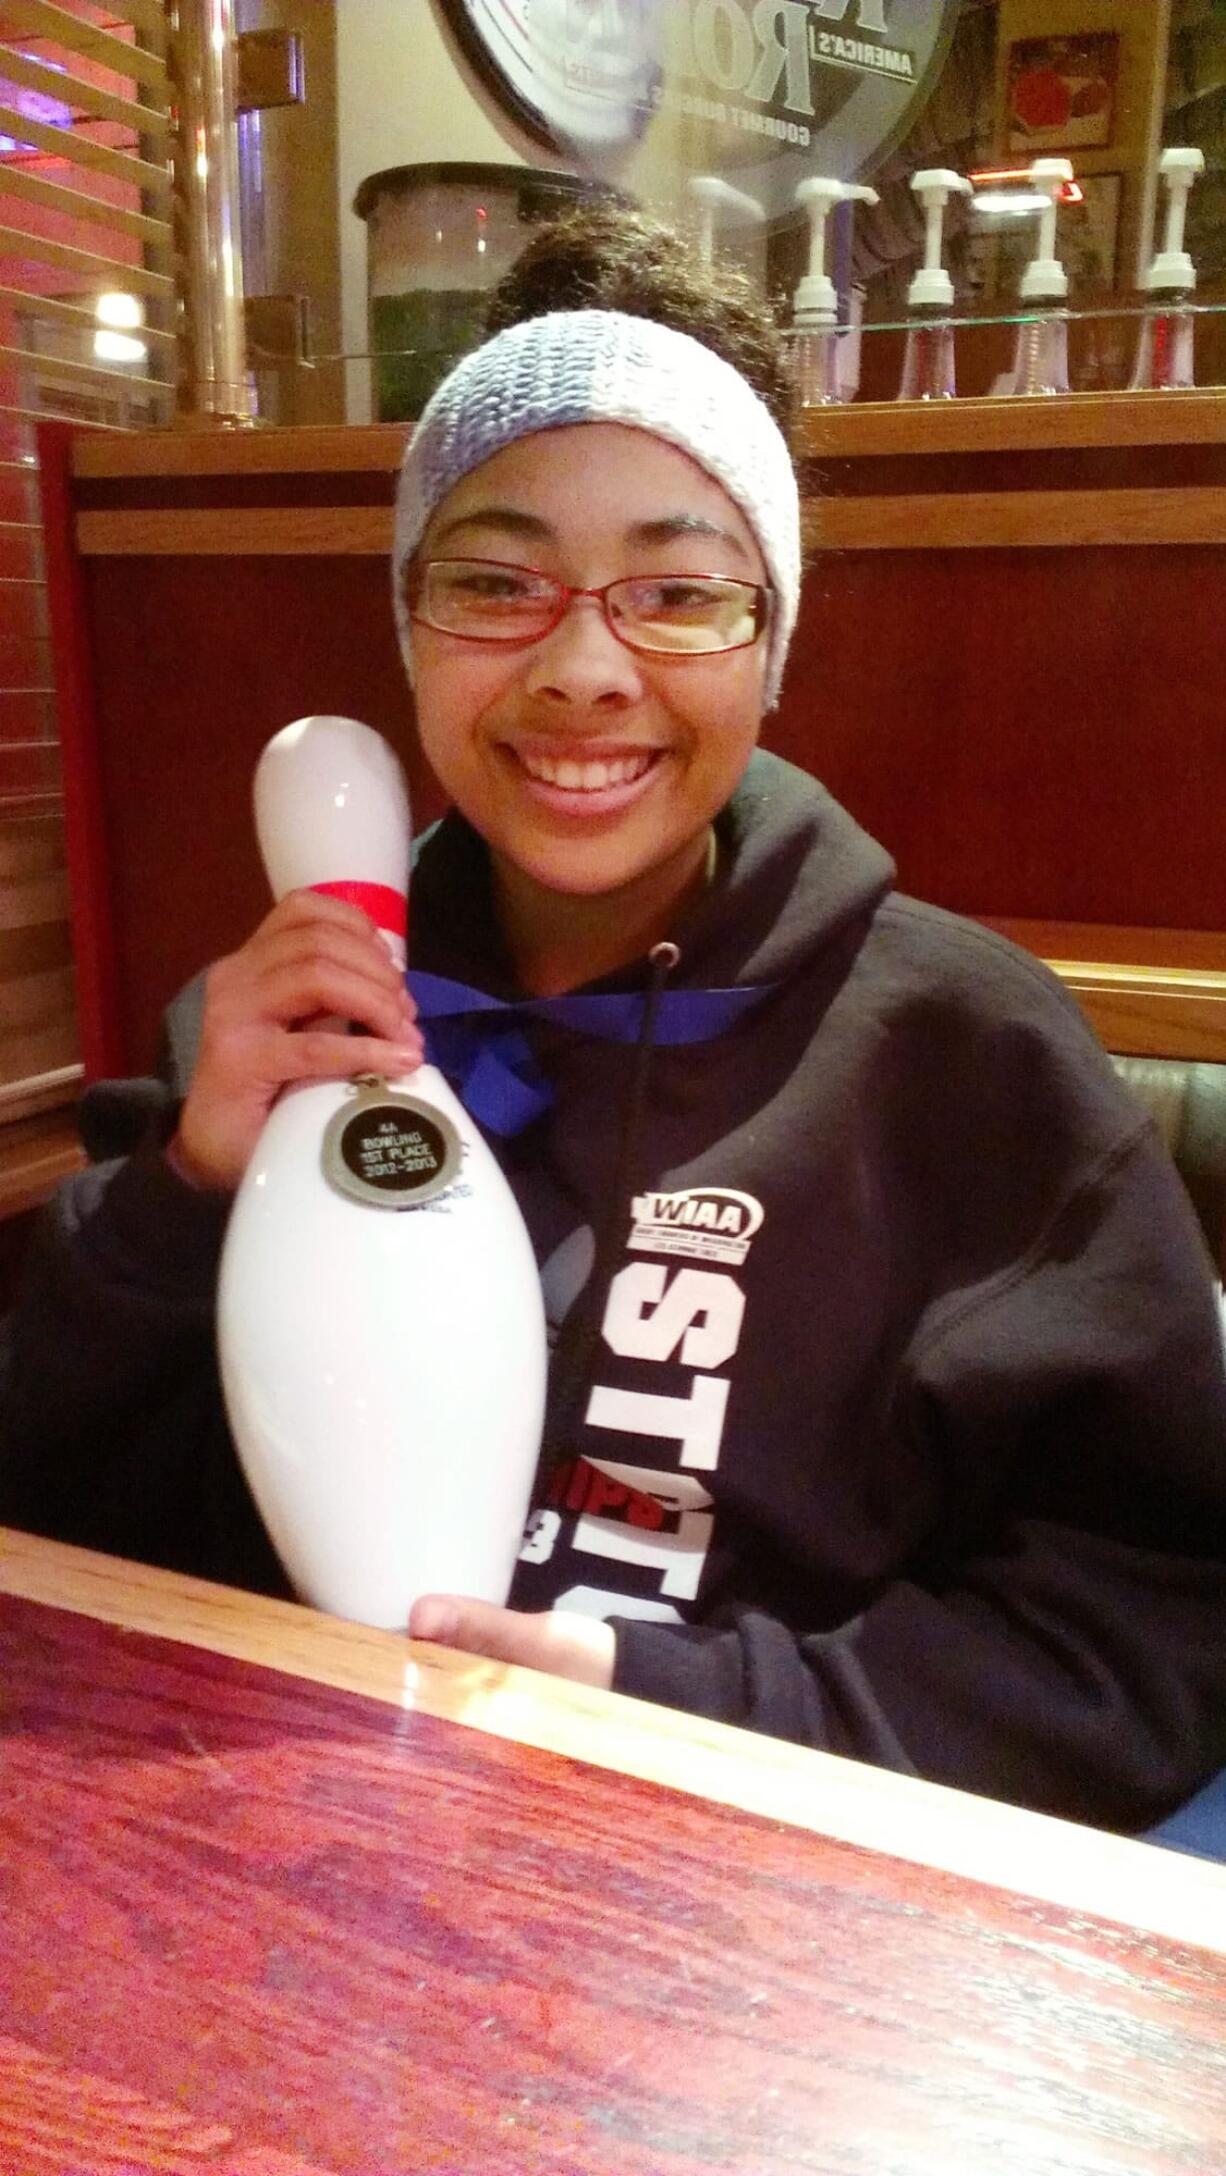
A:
<point x="479" y="1043"/>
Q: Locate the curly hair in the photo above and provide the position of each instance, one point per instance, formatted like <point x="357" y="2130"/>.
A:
<point x="605" y="257"/>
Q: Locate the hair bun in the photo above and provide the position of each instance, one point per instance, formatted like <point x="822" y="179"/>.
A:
<point x="609" y="256"/>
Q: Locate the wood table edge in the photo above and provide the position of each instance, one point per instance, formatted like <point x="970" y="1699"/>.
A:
<point x="1083" y="1870"/>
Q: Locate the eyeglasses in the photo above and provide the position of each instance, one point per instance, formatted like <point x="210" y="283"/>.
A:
<point x="691" y="615"/>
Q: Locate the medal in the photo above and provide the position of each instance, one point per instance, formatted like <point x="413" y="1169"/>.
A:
<point x="388" y="1149"/>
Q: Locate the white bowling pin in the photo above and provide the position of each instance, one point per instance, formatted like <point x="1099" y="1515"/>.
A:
<point x="383" y="1366"/>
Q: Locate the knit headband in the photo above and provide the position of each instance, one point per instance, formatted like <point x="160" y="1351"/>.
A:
<point x="598" y="366"/>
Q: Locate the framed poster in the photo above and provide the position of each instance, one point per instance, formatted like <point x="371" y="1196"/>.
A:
<point x="1061" y="92"/>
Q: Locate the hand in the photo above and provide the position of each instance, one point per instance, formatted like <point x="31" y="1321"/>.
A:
<point x="272" y="1014"/>
<point x="560" y="1642"/>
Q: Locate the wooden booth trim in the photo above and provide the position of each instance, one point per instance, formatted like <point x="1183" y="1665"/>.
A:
<point x="928" y="521"/>
<point x="235" y="531"/>
<point x="941" y="482"/>
<point x="1136" y="1018"/>
<point x="1147" y="993"/>
<point x="1009" y="520"/>
<point x="324" y="492"/>
<point x="1150" y="1012"/>
<point x="323" y="448"/>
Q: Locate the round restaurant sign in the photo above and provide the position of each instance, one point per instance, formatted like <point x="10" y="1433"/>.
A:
<point x="771" y="90"/>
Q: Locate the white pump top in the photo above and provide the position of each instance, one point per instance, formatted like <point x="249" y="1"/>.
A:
<point x="1172" y="271"/>
<point x="713" y="195"/>
<point x="816" y="301"/>
<point x="932" y="287"/>
<point x="1045" y="279"/>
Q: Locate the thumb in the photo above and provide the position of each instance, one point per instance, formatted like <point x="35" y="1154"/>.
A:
<point x="438" y="1617"/>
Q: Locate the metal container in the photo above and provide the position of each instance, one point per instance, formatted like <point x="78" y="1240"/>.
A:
<point x="439" y="237"/>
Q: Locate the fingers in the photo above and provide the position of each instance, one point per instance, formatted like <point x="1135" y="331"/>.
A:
<point x="279" y="951"/>
<point x="306" y="922"/>
<point x="442" y="1617"/>
<point x="311" y="955"/>
<point x="306" y="909"/>
<point x="558" y="1642"/>
<point x="322" y="1054"/>
<point x="306" y="989"/>
<point x="275" y="1012"/>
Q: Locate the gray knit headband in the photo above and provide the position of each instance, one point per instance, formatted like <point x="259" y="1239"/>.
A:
<point x="597" y="366"/>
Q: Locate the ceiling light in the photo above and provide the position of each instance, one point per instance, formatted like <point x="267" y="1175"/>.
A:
<point x="1009" y="203"/>
<point x="119" y="347"/>
<point x="123" y="311"/>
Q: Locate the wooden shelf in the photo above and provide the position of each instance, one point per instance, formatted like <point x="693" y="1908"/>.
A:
<point x="1075" y="420"/>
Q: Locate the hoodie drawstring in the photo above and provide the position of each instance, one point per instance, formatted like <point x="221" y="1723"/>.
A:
<point x="577" y="1340"/>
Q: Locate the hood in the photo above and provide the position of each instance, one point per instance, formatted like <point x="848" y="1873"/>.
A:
<point x="795" y="873"/>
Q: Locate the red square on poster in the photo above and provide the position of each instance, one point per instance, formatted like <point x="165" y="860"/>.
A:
<point x="1061" y="92"/>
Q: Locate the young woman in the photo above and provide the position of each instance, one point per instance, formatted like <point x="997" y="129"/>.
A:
<point x="888" y="1409"/>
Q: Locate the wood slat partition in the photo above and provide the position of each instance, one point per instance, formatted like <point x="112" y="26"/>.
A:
<point x="35" y="1154"/>
<point x="96" y="158"/>
<point x="34" y="189"/>
<point x="1012" y="668"/>
<point x="85" y="208"/>
<point x="143" y="120"/>
<point x="41" y="19"/>
<point x="85" y="264"/>
<point x="325" y="449"/>
<point x="245" y="531"/>
<point x="81" y="320"/>
<point x="36" y="1027"/>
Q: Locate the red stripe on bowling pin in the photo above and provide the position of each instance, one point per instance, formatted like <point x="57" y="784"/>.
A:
<point x="387" y="909"/>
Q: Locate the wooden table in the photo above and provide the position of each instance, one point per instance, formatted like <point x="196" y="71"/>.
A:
<point x="281" y="1896"/>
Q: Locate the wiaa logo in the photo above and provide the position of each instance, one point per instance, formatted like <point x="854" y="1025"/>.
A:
<point x="708" y="1223"/>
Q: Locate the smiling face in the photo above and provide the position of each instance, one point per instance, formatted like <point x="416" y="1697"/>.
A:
<point x="591" y="770"/>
